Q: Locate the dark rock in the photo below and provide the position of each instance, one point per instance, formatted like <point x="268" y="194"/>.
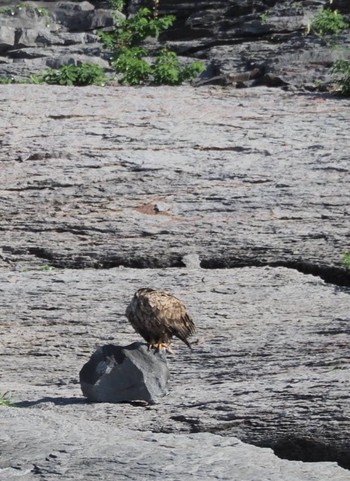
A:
<point x="64" y="36"/>
<point x="132" y="373"/>
<point x="341" y="5"/>
<point x="7" y="37"/>
<point x="81" y="16"/>
<point x="232" y="37"/>
<point x="238" y="36"/>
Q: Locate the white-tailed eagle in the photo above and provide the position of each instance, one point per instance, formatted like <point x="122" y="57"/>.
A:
<point x="158" y="316"/>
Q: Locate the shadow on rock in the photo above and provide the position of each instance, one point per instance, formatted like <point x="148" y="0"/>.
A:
<point x="58" y="401"/>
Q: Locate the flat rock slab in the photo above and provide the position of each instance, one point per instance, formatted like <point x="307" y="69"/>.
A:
<point x="130" y="373"/>
<point x="61" y="446"/>
<point x="169" y="177"/>
<point x="102" y="177"/>
<point x="271" y="365"/>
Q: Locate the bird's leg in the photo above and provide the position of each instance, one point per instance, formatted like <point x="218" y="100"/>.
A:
<point x="154" y="345"/>
<point x="166" y="347"/>
<point x="159" y="346"/>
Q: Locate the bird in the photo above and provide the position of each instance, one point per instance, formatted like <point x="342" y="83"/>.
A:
<point x="158" y="316"/>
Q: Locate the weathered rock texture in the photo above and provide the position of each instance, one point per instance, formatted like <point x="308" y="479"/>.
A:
<point x="130" y="373"/>
<point x="271" y="367"/>
<point x="31" y="41"/>
<point x="256" y="42"/>
<point x="243" y="43"/>
<point x="68" y="451"/>
<point x="96" y="181"/>
<point x="99" y="177"/>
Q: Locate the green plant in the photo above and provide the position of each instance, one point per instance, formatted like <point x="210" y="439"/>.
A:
<point x="341" y="72"/>
<point x="116" y="5"/>
<point x="345" y="261"/>
<point x="264" y="16"/>
<point x="35" y="79"/>
<point x="7" y="80"/>
<point x="4" y="401"/>
<point x="130" y="32"/>
<point x="328" y="21"/>
<point x="42" y="11"/>
<point x="132" y="66"/>
<point x="129" y="59"/>
<point x="167" y="69"/>
<point x="46" y="267"/>
<point x="80" y="75"/>
<point x="7" y="11"/>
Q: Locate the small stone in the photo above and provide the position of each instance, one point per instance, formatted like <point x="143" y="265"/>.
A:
<point x="131" y="373"/>
<point x="191" y="261"/>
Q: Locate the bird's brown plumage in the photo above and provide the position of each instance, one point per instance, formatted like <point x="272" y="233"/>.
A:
<point x="158" y="316"/>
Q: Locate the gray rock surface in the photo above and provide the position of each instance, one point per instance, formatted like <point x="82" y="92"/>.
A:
<point x="32" y="40"/>
<point x="242" y="43"/>
<point x="96" y="181"/>
<point x="67" y="450"/>
<point x="98" y="177"/>
<point x="270" y="367"/>
<point x="130" y="373"/>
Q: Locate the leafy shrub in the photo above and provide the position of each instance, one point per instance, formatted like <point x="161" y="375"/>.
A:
<point x="33" y="79"/>
<point x="84" y="74"/>
<point x="129" y="59"/>
<point x="6" y="80"/>
<point x="131" y="31"/>
<point x="117" y="5"/>
<point x="192" y="70"/>
<point x="264" y="16"/>
<point x="345" y="261"/>
<point x="7" y="11"/>
<point x="80" y="75"/>
<point x="131" y="64"/>
<point x="167" y="69"/>
<point x="328" y="21"/>
<point x="41" y="11"/>
<point x="341" y="71"/>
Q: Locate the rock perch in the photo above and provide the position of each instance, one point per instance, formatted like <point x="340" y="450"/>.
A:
<point x="132" y="373"/>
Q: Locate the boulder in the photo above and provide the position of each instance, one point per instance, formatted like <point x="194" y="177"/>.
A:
<point x="7" y="38"/>
<point x="118" y="374"/>
<point x="81" y="16"/>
